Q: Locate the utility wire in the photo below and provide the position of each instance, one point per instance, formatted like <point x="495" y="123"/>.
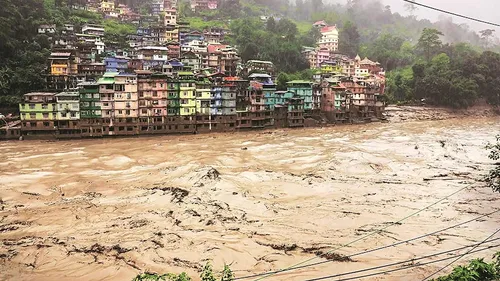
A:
<point x="372" y="250"/>
<point x="398" y="269"/>
<point x="408" y="261"/>
<point x="461" y="256"/>
<point x="451" y="13"/>
<point x="369" y="234"/>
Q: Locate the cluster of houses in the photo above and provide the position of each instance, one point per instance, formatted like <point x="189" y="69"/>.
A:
<point x="162" y="43"/>
<point x="147" y="102"/>
<point x="176" y="80"/>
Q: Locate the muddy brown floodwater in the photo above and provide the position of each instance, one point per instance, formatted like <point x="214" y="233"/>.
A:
<point x="109" y="209"/>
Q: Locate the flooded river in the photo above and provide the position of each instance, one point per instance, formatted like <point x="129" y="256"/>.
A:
<point x="109" y="209"/>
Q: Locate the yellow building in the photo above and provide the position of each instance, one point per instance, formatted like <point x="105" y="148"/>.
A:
<point x="203" y="97"/>
<point x="107" y="6"/>
<point x="63" y="63"/>
<point x="187" y="93"/>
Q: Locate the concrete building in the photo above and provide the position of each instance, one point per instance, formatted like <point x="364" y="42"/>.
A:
<point x="203" y="5"/>
<point x="93" y="29"/>
<point x="38" y="113"/>
<point x="170" y="17"/>
<point x="116" y="64"/>
<point x="304" y="90"/>
<point x="329" y="38"/>
<point x="187" y="93"/>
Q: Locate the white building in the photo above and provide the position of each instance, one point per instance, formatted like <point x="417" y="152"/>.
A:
<point x="93" y="29"/>
<point x="329" y="38"/>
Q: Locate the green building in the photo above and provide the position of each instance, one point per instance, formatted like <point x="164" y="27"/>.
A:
<point x="90" y="100"/>
<point x="303" y="89"/>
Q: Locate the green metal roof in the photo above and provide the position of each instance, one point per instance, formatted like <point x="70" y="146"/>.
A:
<point x="300" y="82"/>
<point x="106" y="80"/>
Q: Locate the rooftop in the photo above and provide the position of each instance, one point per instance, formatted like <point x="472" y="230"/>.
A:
<point x="68" y="94"/>
<point x="39" y="94"/>
<point x="300" y="82"/>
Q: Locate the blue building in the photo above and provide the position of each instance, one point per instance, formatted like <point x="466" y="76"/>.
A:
<point x="116" y="64"/>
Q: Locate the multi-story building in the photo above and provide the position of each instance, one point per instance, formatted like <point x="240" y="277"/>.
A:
<point x="68" y="106"/>
<point x="106" y="91"/>
<point x="91" y="124"/>
<point x="304" y="89"/>
<point x="153" y="95"/>
<point x="92" y="71"/>
<point x="107" y="6"/>
<point x="93" y="29"/>
<point x="170" y="17"/>
<point x="169" y="4"/>
<point x="126" y="103"/>
<point x="202" y="5"/>
<point x="191" y="60"/>
<point x="187" y="93"/>
<point x="157" y="7"/>
<point x="68" y="115"/>
<point x="229" y="61"/>
<point x="295" y="116"/>
<point x="258" y="66"/>
<point x="214" y="35"/>
<point x="90" y="100"/>
<point x="38" y="113"/>
<point x="116" y="64"/>
<point x="63" y="69"/>
<point x="173" y="98"/>
<point x="334" y="100"/>
<point x="329" y="38"/>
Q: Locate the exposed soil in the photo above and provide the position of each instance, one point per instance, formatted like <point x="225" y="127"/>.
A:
<point x="109" y="209"/>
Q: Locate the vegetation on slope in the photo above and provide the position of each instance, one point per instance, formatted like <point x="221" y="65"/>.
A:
<point x="476" y="270"/>
<point x="207" y="274"/>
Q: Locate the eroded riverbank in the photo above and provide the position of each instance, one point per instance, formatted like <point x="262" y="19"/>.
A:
<point x="108" y="209"/>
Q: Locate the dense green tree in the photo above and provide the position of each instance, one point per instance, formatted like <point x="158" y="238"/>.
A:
<point x="349" y="39"/>
<point x="311" y="37"/>
<point x="271" y="24"/>
<point x="429" y="43"/>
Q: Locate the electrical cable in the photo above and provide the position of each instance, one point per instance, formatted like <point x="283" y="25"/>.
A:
<point x="442" y="268"/>
<point x="451" y="13"/>
<point x="399" y="269"/>
<point x="372" y="250"/>
<point x="373" y="232"/>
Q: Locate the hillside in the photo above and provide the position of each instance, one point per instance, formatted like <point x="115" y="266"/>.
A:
<point x="366" y="28"/>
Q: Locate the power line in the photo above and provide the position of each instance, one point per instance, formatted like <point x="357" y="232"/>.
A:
<point x="451" y="13"/>
<point x="399" y="269"/>
<point x="455" y="260"/>
<point x="371" y="233"/>
<point x="372" y="250"/>
<point x="405" y="261"/>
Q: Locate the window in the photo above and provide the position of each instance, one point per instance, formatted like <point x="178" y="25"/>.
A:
<point x="73" y="114"/>
<point x="120" y="111"/>
<point x="32" y="116"/>
<point x="46" y="124"/>
<point x="45" y="116"/>
<point x="45" y="106"/>
<point x="127" y="112"/>
<point x="32" y="106"/>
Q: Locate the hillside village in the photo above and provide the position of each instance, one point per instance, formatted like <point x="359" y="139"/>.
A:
<point x="175" y="79"/>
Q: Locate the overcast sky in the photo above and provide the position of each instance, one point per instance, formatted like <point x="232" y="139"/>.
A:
<point x="482" y="9"/>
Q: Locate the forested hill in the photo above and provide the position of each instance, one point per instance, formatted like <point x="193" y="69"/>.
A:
<point x="373" y="18"/>
<point x="367" y="28"/>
